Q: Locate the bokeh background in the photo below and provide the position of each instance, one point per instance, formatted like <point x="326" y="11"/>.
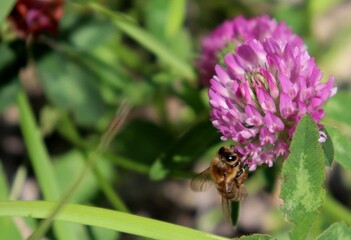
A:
<point x="143" y="54"/>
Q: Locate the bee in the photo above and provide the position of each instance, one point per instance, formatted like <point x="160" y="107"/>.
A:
<point x="227" y="173"/>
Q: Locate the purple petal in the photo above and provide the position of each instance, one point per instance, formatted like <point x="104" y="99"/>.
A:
<point x="266" y="137"/>
<point x="273" y="123"/>
<point x="254" y="117"/>
<point x="265" y="100"/>
<point x="287" y="107"/>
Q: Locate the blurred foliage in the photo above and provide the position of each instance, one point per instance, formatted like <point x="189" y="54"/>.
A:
<point x="143" y="52"/>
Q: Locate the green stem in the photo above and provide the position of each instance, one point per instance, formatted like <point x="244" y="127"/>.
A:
<point x="105" y="218"/>
<point x="70" y="132"/>
<point x="109" y="192"/>
<point x="40" y="160"/>
<point x="336" y="210"/>
<point x="161" y="105"/>
<point x="128" y="164"/>
<point x="68" y="129"/>
<point x="143" y="168"/>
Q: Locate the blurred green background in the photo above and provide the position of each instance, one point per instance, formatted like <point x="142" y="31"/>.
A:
<point x="143" y="52"/>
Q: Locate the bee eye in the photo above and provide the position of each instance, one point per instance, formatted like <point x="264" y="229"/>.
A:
<point x="230" y="158"/>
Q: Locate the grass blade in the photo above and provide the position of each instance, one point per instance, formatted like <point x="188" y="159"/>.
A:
<point x="147" y="40"/>
<point x="105" y="218"/>
<point x="40" y="161"/>
<point x="176" y="16"/>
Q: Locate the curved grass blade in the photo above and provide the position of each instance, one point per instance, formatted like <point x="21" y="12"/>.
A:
<point x="146" y="40"/>
<point x="105" y="218"/>
<point x="40" y="161"/>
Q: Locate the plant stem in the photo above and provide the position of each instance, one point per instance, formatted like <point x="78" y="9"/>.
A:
<point x="128" y="164"/>
<point x="108" y="190"/>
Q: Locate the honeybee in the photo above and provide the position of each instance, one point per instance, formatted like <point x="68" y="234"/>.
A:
<point x="227" y="173"/>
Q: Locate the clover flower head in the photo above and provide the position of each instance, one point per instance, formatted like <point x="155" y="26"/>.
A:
<point x="33" y="17"/>
<point x="262" y="93"/>
<point x="231" y="33"/>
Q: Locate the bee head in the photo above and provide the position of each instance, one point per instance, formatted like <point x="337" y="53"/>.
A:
<point x="227" y="155"/>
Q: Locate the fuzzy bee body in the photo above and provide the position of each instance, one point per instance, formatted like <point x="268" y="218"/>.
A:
<point x="227" y="172"/>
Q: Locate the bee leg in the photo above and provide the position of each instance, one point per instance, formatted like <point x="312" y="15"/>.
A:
<point x="239" y="173"/>
<point x="235" y="164"/>
<point x="245" y="165"/>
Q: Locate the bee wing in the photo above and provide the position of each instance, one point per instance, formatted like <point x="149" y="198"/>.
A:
<point x="226" y="209"/>
<point x="240" y="192"/>
<point x="202" y="181"/>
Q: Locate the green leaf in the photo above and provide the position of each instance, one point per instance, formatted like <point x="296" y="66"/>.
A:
<point x="147" y="40"/>
<point x="8" y="56"/>
<point x="342" y="146"/>
<point x="8" y="94"/>
<point x="303" y="177"/>
<point x="165" y="19"/>
<point x="109" y="77"/>
<point x="68" y="166"/>
<point x="71" y="87"/>
<point x="328" y="150"/>
<point x="9" y="85"/>
<point x="105" y="218"/>
<point x="186" y="149"/>
<point x="256" y="237"/>
<point x="147" y="150"/>
<point x="6" y="7"/>
<point x="338" y="231"/>
<point x="88" y="36"/>
<point x="155" y="13"/>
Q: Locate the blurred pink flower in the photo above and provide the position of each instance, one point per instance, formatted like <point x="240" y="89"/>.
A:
<point x="261" y="95"/>
<point x="227" y="36"/>
<point x="33" y="17"/>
